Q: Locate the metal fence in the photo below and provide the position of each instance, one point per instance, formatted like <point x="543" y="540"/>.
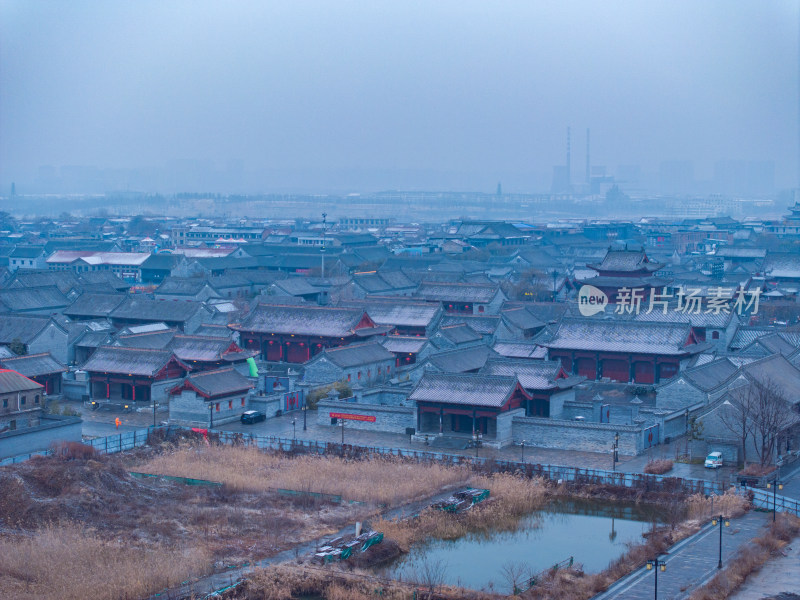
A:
<point x="657" y="483"/>
<point x="111" y="444"/>
<point x="552" y="472"/>
<point x="119" y="442"/>
<point x="765" y="500"/>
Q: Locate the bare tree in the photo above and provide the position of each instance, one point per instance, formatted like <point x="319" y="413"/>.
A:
<point x="773" y="415"/>
<point x="430" y="573"/>
<point x="736" y="414"/>
<point x="759" y="412"/>
<point x="516" y="574"/>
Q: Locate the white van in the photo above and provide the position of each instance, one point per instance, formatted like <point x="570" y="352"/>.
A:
<point x="714" y="460"/>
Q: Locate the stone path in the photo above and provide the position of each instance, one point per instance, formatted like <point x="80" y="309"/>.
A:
<point x="779" y="575"/>
<point x="690" y="563"/>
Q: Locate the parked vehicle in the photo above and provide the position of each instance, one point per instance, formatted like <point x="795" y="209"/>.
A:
<point x="253" y="416"/>
<point x="714" y="460"/>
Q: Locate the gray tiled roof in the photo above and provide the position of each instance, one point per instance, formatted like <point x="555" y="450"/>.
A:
<point x="11" y="381"/>
<point x="24" y="328"/>
<point x="220" y="382"/>
<point x="532" y="374"/>
<point x="146" y="309"/>
<point x="30" y="298"/>
<point x="128" y="361"/>
<point x="199" y="348"/>
<point x="701" y="319"/>
<point x="520" y="350"/>
<point x="626" y="260"/>
<point x="155" y="340"/>
<point x="181" y="286"/>
<point x="457" y="292"/>
<point x="94" y="305"/>
<point x="63" y="280"/>
<point x="409" y="314"/>
<point x="210" y="330"/>
<point x="462" y="360"/>
<point x="469" y="389"/>
<point x="711" y="375"/>
<point x="296" y="286"/>
<point x="402" y="343"/>
<point x="302" y="320"/>
<point x="778" y="371"/>
<point x="354" y="355"/>
<point x="522" y="318"/>
<point x="786" y="265"/>
<point x="622" y="336"/>
<point x="460" y="333"/>
<point x="32" y="365"/>
<point x="483" y="324"/>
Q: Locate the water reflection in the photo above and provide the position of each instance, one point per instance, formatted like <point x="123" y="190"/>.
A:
<point x="594" y="533"/>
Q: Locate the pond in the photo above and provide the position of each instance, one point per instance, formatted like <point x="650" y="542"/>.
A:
<point x="592" y="532"/>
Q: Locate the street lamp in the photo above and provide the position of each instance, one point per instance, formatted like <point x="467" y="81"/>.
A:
<point x="305" y="408"/>
<point x="720" y="519"/>
<point x="522" y="451"/>
<point x="294" y="430"/>
<point x="775" y="485"/>
<point x="615" y="451"/>
<point x="656" y="565"/>
<point x="341" y="424"/>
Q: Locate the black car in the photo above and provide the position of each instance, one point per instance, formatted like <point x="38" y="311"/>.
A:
<point x="253" y="416"/>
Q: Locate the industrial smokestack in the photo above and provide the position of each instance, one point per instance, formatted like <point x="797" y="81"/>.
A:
<point x="588" y="163"/>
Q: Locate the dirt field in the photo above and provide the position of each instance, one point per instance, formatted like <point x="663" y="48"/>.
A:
<point x="85" y="528"/>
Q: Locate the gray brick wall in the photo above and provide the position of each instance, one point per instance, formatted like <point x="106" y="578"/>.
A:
<point x="51" y="429"/>
<point x="392" y="419"/>
<point x="505" y="426"/>
<point x="570" y="435"/>
<point x="192" y="410"/>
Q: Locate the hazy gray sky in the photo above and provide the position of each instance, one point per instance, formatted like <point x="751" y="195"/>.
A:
<point x="406" y="94"/>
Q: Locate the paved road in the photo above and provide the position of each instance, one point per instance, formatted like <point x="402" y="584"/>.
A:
<point x="690" y="563"/>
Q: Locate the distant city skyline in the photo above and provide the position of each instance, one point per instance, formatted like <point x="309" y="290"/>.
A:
<point x="314" y="97"/>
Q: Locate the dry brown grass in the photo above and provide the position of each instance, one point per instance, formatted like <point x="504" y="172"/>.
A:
<point x="749" y="559"/>
<point x="658" y="466"/>
<point x="69" y="563"/>
<point x="729" y="504"/>
<point x="756" y="470"/>
<point x="280" y="582"/>
<point x="512" y="497"/>
<point x="384" y="480"/>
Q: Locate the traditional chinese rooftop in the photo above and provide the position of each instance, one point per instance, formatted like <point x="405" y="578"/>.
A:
<point x="466" y="389"/>
<point x="305" y="320"/>
<point x="630" y="337"/>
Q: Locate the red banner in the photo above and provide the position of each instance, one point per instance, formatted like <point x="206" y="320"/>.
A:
<point x="352" y="417"/>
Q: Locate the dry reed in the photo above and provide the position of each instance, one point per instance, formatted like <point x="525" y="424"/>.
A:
<point x="69" y="563"/>
<point x="279" y="582"/>
<point x="512" y="497"/>
<point x="384" y="480"/>
<point x="658" y="466"/>
<point x="729" y="504"/>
